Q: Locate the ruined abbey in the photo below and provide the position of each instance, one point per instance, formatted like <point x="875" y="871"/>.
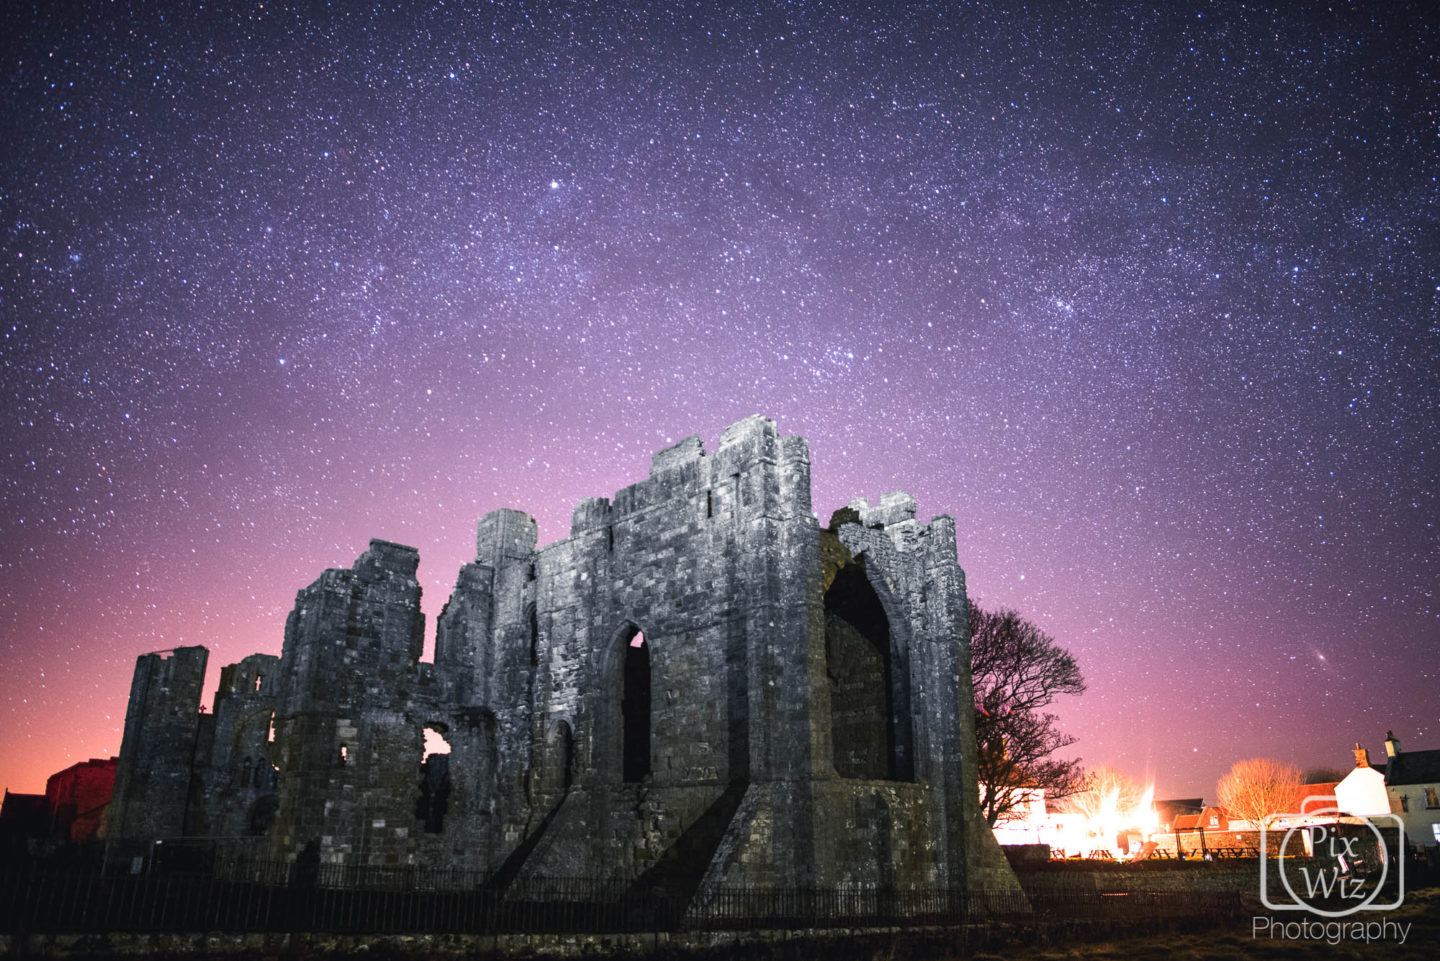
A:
<point x="700" y="686"/>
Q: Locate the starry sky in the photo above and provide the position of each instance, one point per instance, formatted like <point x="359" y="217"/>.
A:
<point x="1147" y="299"/>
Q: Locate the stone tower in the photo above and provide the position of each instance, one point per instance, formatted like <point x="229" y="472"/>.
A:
<point x="153" y="781"/>
<point x="348" y="740"/>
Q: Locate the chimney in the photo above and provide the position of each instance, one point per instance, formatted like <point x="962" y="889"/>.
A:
<point x="1392" y="744"/>
<point x="1362" y="756"/>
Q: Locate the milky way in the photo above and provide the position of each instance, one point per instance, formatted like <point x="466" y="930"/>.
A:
<point x="1149" y="301"/>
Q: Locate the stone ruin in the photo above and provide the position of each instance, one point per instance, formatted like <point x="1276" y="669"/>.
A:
<point x="699" y="687"/>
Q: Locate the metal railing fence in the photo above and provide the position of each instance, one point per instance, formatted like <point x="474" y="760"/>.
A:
<point x="268" y="897"/>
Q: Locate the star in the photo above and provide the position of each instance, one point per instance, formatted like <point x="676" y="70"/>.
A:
<point x="303" y="284"/>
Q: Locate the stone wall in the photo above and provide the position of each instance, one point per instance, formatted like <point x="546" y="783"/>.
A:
<point x="153" y="779"/>
<point x="698" y="687"/>
<point x="1239" y="876"/>
<point x="240" y="778"/>
<point x="350" y="713"/>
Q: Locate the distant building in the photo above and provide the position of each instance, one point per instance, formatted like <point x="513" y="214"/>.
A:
<point x="1314" y="797"/>
<point x="73" y="807"/>
<point x="24" y="815"/>
<point x="78" y="799"/>
<point x="1362" y="792"/>
<point x="1412" y="780"/>
<point x="1167" y="811"/>
<point x="1211" y="818"/>
<point x="1025" y="823"/>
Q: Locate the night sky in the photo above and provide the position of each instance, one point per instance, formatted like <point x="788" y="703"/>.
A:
<point x="1147" y="300"/>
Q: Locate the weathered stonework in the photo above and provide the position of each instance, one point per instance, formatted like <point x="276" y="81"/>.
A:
<point x="698" y="687"/>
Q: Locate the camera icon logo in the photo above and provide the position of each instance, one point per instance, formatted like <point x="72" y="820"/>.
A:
<point x="1330" y="864"/>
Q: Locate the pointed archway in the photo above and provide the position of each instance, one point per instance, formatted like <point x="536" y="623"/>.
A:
<point x="635" y="707"/>
<point x="869" y="691"/>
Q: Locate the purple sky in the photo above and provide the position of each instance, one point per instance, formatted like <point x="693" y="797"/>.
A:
<point x="1147" y="300"/>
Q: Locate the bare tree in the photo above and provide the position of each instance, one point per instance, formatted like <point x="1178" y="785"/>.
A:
<point x="1017" y="670"/>
<point x="1258" y="789"/>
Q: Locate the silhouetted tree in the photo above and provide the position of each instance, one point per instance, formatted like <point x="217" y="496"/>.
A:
<point x="1017" y="670"/>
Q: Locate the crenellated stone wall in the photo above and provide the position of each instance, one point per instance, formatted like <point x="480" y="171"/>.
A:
<point x="698" y="687"/>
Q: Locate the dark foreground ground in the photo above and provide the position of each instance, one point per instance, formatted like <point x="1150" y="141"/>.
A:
<point x="1418" y="919"/>
<point x="1421" y="911"/>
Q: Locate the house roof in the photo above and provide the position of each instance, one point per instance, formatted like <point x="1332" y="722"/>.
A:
<point x="1413" y="767"/>
<point x="1189" y="822"/>
<point x="20" y="806"/>
<point x="1171" y="808"/>
<point x="1319" y="789"/>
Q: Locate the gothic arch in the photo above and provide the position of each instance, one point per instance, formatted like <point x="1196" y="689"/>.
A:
<point x="868" y="667"/>
<point x="636" y="737"/>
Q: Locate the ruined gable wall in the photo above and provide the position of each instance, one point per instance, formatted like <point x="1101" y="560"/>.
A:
<point x="486" y="640"/>
<point x="240" y="778"/>
<point x="695" y="557"/>
<point x="162" y="729"/>
<point x="347" y="738"/>
<point x="932" y="833"/>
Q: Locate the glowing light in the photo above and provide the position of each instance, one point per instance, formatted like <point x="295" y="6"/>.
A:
<point x="1100" y="819"/>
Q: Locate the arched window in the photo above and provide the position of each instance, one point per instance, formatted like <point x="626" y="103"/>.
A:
<point x="565" y="755"/>
<point x="434" y="779"/>
<point x="635" y="708"/>
<point x="869" y="729"/>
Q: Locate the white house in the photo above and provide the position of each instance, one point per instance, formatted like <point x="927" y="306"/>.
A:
<point x="1362" y="792"/>
<point x="1412" y="779"/>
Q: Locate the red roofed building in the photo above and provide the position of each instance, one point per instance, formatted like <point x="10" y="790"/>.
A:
<point x="1210" y="819"/>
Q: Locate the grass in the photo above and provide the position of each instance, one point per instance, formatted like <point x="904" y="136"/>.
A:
<point x="1421" y="911"/>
